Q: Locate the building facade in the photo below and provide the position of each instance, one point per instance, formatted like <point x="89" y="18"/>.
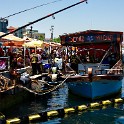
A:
<point x="3" y="25"/>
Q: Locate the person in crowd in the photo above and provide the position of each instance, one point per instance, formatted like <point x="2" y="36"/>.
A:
<point x="27" y="60"/>
<point x="74" y="61"/>
<point x="39" y="63"/>
<point x="14" y="61"/>
<point x="34" y="60"/>
<point x="20" y="61"/>
<point x="1" y="52"/>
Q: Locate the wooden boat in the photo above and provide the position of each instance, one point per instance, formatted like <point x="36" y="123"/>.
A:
<point x="10" y="92"/>
<point x="93" y="59"/>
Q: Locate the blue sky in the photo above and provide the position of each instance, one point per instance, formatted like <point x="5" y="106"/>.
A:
<point x="96" y="15"/>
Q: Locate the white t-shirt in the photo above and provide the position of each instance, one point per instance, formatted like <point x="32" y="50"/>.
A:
<point x="39" y="58"/>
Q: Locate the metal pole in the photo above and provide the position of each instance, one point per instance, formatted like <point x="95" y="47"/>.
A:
<point x="44" y="17"/>
<point x="51" y="40"/>
<point x="31" y="31"/>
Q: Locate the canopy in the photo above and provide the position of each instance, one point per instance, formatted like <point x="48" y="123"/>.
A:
<point x="13" y="43"/>
<point x="11" y="40"/>
<point x="27" y="39"/>
<point x="52" y="44"/>
<point x="10" y="37"/>
<point x="34" y="43"/>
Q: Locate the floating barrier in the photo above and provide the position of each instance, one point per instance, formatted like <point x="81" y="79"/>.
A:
<point x="34" y="117"/>
<point x="44" y="116"/>
<point x="82" y="107"/>
<point x="94" y="105"/>
<point x="118" y="100"/>
<point x="52" y="113"/>
<point x="13" y="121"/>
<point x="106" y="102"/>
<point x="69" y="110"/>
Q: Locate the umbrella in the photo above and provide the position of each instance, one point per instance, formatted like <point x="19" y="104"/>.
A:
<point x="11" y="43"/>
<point x="11" y="40"/>
<point x="34" y="43"/>
<point x="27" y="39"/>
<point x="10" y="37"/>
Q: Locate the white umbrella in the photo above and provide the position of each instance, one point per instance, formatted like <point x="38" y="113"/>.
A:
<point x="10" y="37"/>
<point x="34" y="43"/>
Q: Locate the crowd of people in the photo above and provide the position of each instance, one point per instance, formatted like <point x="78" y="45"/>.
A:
<point x="33" y="57"/>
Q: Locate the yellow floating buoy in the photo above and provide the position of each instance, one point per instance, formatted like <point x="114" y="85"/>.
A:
<point x="69" y="110"/>
<point x="13" y="121"/>
<point x="106" y="102"/>
<point x="52" y="113"/>
<point x="118" y="100"/>
<point x="82" y="107"/>
<point x="34" y="117"/>
<point x="95" y="104"/>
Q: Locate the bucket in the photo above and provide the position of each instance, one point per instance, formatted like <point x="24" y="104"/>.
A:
<point x="47" y="66"/>
<point x="54" y="70"/>
<point x="54" y="77"/>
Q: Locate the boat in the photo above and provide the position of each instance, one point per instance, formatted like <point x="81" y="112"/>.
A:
<point x="93" y="59"/>
<point x="9" y="87"/>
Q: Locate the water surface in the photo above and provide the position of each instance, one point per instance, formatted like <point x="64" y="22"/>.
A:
<point x="61" y="98"/>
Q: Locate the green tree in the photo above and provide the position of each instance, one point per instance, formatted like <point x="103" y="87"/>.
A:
<point x="57" y="40"/>
<point x="41" y="37"/>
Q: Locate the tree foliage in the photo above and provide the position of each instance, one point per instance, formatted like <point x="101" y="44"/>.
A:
<point x="41" y="37"/>
<point x="57" y="40"/>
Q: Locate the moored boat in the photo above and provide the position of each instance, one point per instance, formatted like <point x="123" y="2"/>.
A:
<point x="94" y="59"/>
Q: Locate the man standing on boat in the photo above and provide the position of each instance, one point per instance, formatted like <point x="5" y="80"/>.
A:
<point x="34" y="60"/>
<point x="74" y="62"/>
<point x="39" y="63"/>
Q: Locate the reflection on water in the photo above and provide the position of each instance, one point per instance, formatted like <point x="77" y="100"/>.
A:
<point x="113" y="114"/>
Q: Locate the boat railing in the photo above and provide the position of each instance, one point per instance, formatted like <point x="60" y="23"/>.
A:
<point x="103" y="69"/>
<point x="108" y="71"/>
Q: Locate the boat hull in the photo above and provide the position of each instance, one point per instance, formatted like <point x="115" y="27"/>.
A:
<point x="96" y="89"/>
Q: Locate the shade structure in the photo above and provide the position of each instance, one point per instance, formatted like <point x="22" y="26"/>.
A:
<point x="27" y="39"/>
<point x="11" y="40"/>
<point x="34" y="43"/>
<point x="13" y="43"/>
<point x="10" y="37"/>
<point x="52" y="44"/>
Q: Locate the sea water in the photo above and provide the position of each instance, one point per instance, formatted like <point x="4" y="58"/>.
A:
<point x="61" y="98"/>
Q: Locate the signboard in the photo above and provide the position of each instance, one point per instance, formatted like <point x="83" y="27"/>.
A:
<point x="91" y="37"/>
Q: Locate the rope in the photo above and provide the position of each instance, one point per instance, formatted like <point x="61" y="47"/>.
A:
<point x="44" y="91"/>
<point x="105" y="55"/>
<point x="70" y="68"/>
<point x="5" y="82"/>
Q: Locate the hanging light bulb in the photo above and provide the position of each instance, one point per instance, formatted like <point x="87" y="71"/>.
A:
<point x="53" y="16"/>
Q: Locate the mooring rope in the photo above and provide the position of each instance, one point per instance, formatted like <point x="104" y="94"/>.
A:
<point x="44" y="91"/>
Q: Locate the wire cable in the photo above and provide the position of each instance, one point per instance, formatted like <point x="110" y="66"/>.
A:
<point x="31" y="8"/>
